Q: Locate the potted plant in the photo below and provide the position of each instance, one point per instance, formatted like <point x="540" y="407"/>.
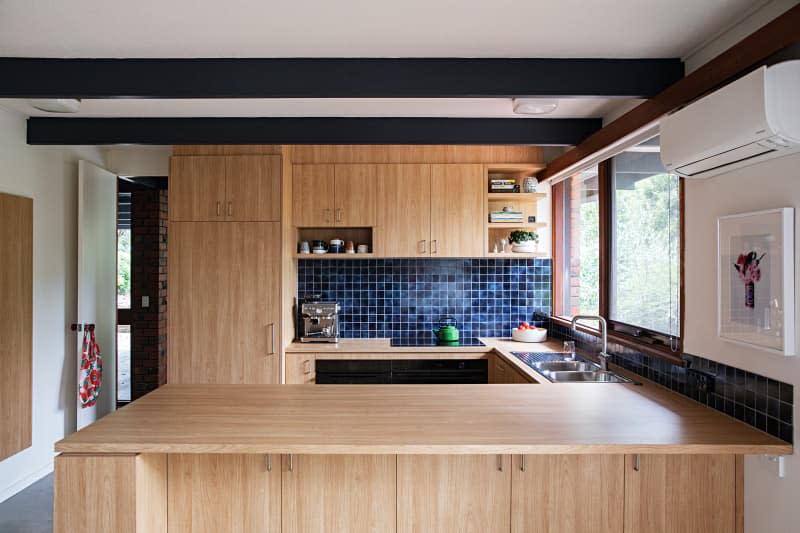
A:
<point x="523" y="241"/>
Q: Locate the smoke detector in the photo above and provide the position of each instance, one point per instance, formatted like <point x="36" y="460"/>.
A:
<point x="57" y="105"/>
<point x="534" y="106"/>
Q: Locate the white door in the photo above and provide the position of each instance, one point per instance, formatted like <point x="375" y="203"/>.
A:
<point x="97" y="275"/>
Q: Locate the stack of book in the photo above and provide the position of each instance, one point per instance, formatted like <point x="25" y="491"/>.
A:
<point x="503" y="185"/>
<point x="506" y="216"/>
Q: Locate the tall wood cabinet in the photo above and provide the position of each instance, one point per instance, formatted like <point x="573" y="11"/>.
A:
<point x="404" y="210"/>
<point x="457" y="210"/>
<point x="225" y="188"/>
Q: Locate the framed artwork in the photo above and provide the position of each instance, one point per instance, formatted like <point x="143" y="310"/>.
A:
<point x="755" y="280"/>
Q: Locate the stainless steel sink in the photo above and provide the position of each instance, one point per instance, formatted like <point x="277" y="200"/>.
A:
<point x="598" y="376"/>
<point x="566" y="366"/>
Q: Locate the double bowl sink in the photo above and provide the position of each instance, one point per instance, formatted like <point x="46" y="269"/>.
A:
<point x="568" y="370"/>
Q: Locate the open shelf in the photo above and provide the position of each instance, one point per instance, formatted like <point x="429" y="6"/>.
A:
<point x="517" y="255"/>
<point x="335" y="256"/>
<point x="516" y="196"/>
<point x="516" y="225"/>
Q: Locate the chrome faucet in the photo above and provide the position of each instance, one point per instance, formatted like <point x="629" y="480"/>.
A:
<point x="603" y="355"/>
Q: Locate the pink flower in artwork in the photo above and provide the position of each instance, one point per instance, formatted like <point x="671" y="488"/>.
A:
<point x="747" y="267"/>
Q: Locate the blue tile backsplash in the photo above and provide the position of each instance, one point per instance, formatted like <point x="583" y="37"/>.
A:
<point x="407" y="297"/>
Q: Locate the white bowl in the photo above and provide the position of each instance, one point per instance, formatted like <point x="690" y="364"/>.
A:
<point x="529" y="335"/>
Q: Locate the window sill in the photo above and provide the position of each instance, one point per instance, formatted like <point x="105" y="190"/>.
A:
<point x="628" y="341"/>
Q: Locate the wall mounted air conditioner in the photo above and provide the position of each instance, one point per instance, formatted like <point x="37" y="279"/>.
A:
<point x="755" y="118"/>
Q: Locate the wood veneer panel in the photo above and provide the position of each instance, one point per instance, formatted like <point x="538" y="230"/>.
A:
<point x="16" y="323"/>
<point x="316" y="153"/>
<point x="226" y="149"/>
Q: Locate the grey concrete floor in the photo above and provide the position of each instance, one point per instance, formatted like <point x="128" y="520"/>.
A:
<point x="30" y="511"/>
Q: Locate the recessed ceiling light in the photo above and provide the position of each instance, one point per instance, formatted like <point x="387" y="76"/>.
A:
<point x="57" y="105"/>
<point x="534" y="106"/>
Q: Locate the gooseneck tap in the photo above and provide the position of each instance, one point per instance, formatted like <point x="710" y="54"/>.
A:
<point x="603" y="355"/>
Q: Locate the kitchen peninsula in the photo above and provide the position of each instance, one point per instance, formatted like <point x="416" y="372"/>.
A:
<point x="390" y="458"/>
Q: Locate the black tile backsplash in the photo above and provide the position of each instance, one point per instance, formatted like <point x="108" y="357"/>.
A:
<point x="761" y="402"/>
<point x="406" y="297"/>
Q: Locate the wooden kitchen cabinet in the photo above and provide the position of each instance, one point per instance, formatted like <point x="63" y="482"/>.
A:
<point x="339" y="493"/>
<point x="300" y="368"/>
<point x="464" y="493"/>
<point x="120" y="493"/>
<point x="354" y="195"/>
<point x="567" y="493"/>
<point x="680" y="493"/>
<point x="210" y="493"/>
<point x="457" y="210"/>
<point x="312" y="195"/>
<point x="501" y="371"/>
<point x="404" y="210"/>
<point x="224" y="302"/>
<point x="224" y="188"/>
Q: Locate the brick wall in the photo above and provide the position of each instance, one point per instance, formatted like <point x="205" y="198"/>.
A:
<point x="148" y="273"/>
<point x="574" y="214"/>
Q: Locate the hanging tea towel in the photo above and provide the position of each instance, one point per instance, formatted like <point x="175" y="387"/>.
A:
<point x="91" y="370"/>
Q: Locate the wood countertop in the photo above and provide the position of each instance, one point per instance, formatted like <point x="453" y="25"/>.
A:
<point x="418" y="419"/>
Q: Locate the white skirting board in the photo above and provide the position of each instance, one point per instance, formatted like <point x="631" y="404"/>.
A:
<point x="21" y="484"/>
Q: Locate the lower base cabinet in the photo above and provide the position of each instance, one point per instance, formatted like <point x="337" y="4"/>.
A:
<point x="339" y="493"/>
<point x="567" y="494"/>
<point x="681" y="494"/>
<point x="453" y="493"/>
<point x="244" y="493"/>
<point x="210" y="493"/>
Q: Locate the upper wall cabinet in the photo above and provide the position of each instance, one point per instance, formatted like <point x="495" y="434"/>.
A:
<point x="225" y="188"/>
<point x="457" y="210"/>
<point x="334" y="195"/>
<point x="404" y="210"/>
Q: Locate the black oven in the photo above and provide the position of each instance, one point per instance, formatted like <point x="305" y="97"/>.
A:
<point x="397" y="371"/>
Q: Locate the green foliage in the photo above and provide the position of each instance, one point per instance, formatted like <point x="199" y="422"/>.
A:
<point x="124" y="263"/>
<point x="520" y="236"/>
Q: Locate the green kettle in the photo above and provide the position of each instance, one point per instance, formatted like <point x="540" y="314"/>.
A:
<point x="447" y="332"/>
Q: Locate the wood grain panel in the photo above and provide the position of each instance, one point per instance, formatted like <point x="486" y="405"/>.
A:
<point x="316" y="153"/>
<point x="339" y="494"/>
<point x="212" y="493"/>
<point x="120" y="493"/>
<point x="680" y="494"/>
<point x="196" y="188"/>
<point x="312" y="194"/>
<point x="404" y="211"/>
<point x="300" y="369"/>
<point x="568" y="494"/>
<point x="464" y="493"/>
<point x="500" y="372"/>
<point x="355" y="195"/>
<point x="253" y="188"/>
<point x="226" y="149"/>
<point x="16" y="322"/>
<point x="288" y="262"/>
<point x="457" y="207"/>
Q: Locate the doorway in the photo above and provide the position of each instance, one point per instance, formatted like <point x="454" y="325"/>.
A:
<point x="141" y="286"/>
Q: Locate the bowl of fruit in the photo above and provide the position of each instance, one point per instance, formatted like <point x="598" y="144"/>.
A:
<point x="527" y="333"/>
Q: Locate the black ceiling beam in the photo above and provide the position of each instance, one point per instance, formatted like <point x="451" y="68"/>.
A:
<point x="335" y="78"/>
<point x="71" y="131"/>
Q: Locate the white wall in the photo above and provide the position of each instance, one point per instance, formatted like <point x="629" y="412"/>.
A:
<point x="138" y="160"/>
<point x="771" y="503"/>
<point x="49" y="176"/>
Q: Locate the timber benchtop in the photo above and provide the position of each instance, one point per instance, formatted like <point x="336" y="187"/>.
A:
<point x="418" y="419"/>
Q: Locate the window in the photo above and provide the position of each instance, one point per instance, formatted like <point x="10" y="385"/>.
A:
<point x="644" y="288"/>
<point x="617" y="254"/>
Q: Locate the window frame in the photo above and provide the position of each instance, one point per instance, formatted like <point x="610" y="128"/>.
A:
<point x="616" y="330"/>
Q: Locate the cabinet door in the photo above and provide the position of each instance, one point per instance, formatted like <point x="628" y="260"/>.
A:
<point x="567" y="494"/>
<point x="339" y="493"/>
<point x="503" y="372"/>
<point x="196" y="188"/>
<point x="457" y="210"/>
<point x="253" y="188"/>
<point x="680" y="493"/>
<point x="223" y="302"/>
<point x="312" y="195"/>
<point x="300" y="368"/>
<point x="199" y="302"/>
<point x="464" y="493"/>
<point x="355" y="195"/>
<point x="211" y="493"/>
<point x="404" y="211"/>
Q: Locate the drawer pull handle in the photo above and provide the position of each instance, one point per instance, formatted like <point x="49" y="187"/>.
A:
<point x="501" y="462"/>
<point x="219" y="207"/>
<point x="434" y="246"/>
<point x="290" y="463"/>
<point x="230" y="209"/>
<point x="338" y="214"/>
<point x="423" y="247"/>
<point x="636" y="462"/>
<point x="522" y="462"/>
<point x="306" y="366"/>
<point x="271" y="339"/>
<point x="269" y="463"/>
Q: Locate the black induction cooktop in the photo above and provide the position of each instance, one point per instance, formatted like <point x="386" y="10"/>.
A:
<point x="433" y="341"/>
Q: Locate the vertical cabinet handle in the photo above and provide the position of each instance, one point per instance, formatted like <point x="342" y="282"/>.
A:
<point x="522" y="462"/>
<point x="290" y="463"/>
<point x="423" y="249"/>
<point x="327" y="215"/>
<point x="271" y="339"/>
<point x="219" y="207"/>
<point x="434" y="246"/>
<point x="269" y="463"/>
<point x="338" y="214"/>
<point x="307" y="366"/>
<point x="230" y="209"/>
<point x="501" y="460"/>
<point x="636" y="463"/>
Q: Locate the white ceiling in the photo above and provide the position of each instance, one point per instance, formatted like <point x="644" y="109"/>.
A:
<point x="364" y="28"/>
<point x="323" y="107"/>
